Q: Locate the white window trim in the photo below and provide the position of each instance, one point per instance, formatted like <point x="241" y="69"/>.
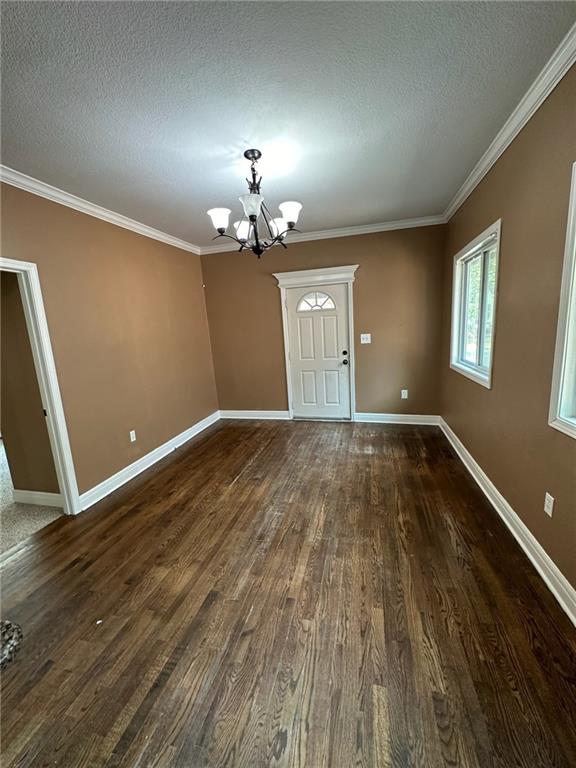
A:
<point x="491" y="234"/>
<point x="567" y="303"/>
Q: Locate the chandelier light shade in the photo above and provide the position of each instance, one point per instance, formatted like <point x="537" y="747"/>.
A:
<point x="252" y="204"/>
<point x="220" y="217"/>
<point x="242" y="229"/>
<point x="257" y="230"/>
<point x="290" y="210"/>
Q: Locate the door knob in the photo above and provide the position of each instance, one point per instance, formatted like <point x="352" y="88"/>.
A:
<point x="344" y="362"/>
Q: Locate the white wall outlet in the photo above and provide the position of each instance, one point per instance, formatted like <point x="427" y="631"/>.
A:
<point x="404" y="394"/>
<point x="365" y="338"/>
<point x="132" y="435"/>
<point x="548" y="504"/>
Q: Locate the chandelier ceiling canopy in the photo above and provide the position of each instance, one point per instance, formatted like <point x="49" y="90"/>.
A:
<point x="257" y="230"/>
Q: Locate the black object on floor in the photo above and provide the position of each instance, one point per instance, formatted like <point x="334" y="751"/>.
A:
<point x="10" y="638"/>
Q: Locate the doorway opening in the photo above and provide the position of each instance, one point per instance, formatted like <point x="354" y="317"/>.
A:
<point x="37" y="479"/>
<point x="317" y="316"/>
<point x="20" y="516"/>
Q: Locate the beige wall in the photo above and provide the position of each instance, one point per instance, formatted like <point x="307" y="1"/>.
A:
<point x="506" y="428"/>
<point x="397" y="298"/>
<point x="23" y="423"/>
<point x="128" y="326"/>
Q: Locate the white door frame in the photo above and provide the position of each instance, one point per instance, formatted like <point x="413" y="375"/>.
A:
<point x="317" y="278"/>
<point x="31" y="293"/>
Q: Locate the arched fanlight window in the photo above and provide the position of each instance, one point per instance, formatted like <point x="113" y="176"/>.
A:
<point x="314" y="301"/>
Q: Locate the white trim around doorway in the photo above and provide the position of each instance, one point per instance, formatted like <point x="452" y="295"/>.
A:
<point x="31" y="293"/>
<point x="315" y="278"/>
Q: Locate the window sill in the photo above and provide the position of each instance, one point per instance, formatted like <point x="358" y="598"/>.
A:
<point x="568" y="426"/>
<point x="473" y="375"/>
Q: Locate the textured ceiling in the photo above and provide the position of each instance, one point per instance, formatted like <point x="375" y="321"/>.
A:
<point x="366" y="112"/>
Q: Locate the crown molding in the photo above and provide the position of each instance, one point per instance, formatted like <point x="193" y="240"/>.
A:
<point x="562" y="59"/>
<point x="558" y="65"/>
<point x="36" y="187"/>
<point x="329" y="234"/>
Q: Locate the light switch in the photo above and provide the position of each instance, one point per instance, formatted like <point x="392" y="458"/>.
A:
<point x="365" y="338"/>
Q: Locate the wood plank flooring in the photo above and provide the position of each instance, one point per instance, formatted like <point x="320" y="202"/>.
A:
<point x="318" y="595"/>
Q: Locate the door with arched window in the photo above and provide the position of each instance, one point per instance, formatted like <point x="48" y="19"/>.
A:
<point x="319" y="351"/>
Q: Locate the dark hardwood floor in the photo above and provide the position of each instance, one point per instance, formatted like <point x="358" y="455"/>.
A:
<point x="288" y="594"/>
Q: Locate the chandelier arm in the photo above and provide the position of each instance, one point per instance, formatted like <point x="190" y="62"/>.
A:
<point x="280" y="238"/>
<point x="282" y="235"/>
<point x="258" y="243"/>
<point x="230" y="237"/>
<point x="267" y="216"/>
<point x="277" y="239"/>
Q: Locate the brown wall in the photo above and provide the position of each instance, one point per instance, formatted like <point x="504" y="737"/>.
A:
<point x="506" y="428"/>
<point x="128" y="326"/>
<point x="23" y="423"/>
<point x="397" y="298"/>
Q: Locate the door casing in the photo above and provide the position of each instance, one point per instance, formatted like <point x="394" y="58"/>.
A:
<point x="37" y="325"/>
<point x="317" y="278"/>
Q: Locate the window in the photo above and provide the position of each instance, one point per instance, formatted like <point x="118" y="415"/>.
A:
<point x="474" y="306"/>
<point x="563" y="401"/>
<point x="315" y="301"/>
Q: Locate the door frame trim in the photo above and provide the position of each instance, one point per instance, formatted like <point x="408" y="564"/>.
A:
<point x="38" y="333"/>
<point x="315" y="278"/>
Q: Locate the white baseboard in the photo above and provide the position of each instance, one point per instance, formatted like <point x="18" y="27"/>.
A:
<point x="277" y="415"/>
<point x="558" y="584"/>
<point x="380" y="418"/>
<point x="114" y="482"/>
<point x="38" y="498"/>
<point x="396" y="418"/>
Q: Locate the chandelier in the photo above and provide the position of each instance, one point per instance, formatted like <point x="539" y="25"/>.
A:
<point x="257" y="230"/>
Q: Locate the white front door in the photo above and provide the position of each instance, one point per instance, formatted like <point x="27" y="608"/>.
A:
<point x="319" y="350"/>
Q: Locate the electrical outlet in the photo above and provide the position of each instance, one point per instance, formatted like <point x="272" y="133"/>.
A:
<point x="404" y="394"/>
<point x="548" y="504"/>
<point x="365" y="338"/>
<point x="132" y="435"/>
